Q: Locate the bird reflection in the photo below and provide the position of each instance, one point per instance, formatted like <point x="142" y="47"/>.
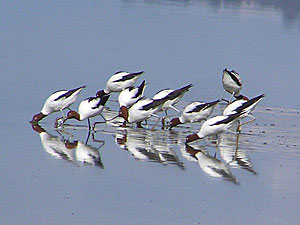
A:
<point x="148" y="145"/>
<point x="209" y="164"/>
<point x="54" y="145"/>
<point x="232" y="155"/>
<point x="72" y="151"/>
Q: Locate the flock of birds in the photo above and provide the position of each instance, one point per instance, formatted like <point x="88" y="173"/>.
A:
<point x="135" y="108"/>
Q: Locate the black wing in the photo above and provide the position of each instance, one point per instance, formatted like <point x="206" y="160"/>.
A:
<point x="140" y="89"/>
<point x="154" y="104"/>
<point x="129" y="76"/>
<point x="201" y="107"/>
<point x="178" y="92"/>
<point x="233" y="77"/>
<point x="68" y="93"/>
<point x="229" y="119"/>
<point x="102" y="101"/>
<point x="249" y="103"/>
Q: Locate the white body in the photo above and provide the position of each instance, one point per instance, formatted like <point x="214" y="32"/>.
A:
<point x="229" y="84"/>
<point x="127" y="97"/>
<point x="192" y="117"/>
<point x="168" y="104"/>
<point x="136" y="114"/>
<point x="87" y="154"/>
<point x="232" y="108"/>
<point x="112" y="86"/>
<point x="86" y="108"/>
<point x="209" y="127"/>
<point x="214" y="167"/>
<point x="56" y="147"/>
<point x="51" y="106"/>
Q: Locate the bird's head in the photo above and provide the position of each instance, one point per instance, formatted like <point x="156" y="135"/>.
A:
<point x="123" y="112"/>
<point x="37" y="117"/>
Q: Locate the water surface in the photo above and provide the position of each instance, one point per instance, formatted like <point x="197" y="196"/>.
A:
<point x="135" y="176"/>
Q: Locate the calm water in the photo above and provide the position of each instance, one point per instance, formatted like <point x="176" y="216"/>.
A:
<point x="139" y="176"/>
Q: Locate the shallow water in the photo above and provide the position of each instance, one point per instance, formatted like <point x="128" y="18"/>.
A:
<point x="140" y="176"/>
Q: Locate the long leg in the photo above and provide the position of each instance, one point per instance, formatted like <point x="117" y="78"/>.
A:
<point x="98" y="141"/>
<point x="156" y="121"/>
<point x="105" y="120"/>
<point x="217" y="144"/>
<point x="177" y="110"/>
<point x="89" y="123"/>
<point x="222" y="99"/>
<point x="231" y="97"/>
<point x="57" y="123"/>
<point x="237" y="146"/>
<point x="88" y="137"/>
<point x="250" y="121"/>
<point x="62" y="113"/>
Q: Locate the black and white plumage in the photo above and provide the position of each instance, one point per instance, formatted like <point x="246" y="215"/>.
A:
<point x="232" y="83"/>
<point x="141" y="110"/>
<point x="58" y="101"/>
<point x="54" y="145"/>
<point x="210" y="165"/>
<point x="120" y="81"/>
<point x="87" y="154"/>
<point x="244" y="107"/>
<point x="194" y="112"/>
<point x="173" y="97"/>
<point x="90" y="107"/>
<point x="131" y="95"/>
<point x="213" y="126"/>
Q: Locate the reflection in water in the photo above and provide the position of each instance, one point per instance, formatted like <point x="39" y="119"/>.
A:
<point x="232" y="155"/>
<point x="54" y="145"/>
<point x="73" y="151"/>
<point x="288" y="8"/>
<point x="148" y="145"/>
<point x="209" y="164"/>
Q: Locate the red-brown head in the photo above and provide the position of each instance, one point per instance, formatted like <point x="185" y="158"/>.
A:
<point x="73" y="115"/>
<point x="36" y="127"/>
<point x="191" y="150"/>
<point x="71" y="145"/>
<point x="174" y="122"/>
<point x="37" y="117"/>
<point x="124" y="112"/>
<point x="191" y="138"/>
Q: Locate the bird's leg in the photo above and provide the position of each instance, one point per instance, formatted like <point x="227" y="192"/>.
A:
<point x="105" y="120"/>
<point x="231" y="97"/>
<point x="238" y="128"/>
<point x="57" y="123"/>
<point x="98" y="141"/>
<point x="62" y="113"/>
<point x="237" y="146"/>
<point x="222" y="99"/>
<point x="89" y="123"/>
<point x="217" y="144"/>
<point x="88" y="137"/>
<point x="156" y="121"/>
<point x="250" y="121"/>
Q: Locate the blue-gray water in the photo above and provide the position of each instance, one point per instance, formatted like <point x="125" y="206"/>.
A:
<point x="47" y="46"/>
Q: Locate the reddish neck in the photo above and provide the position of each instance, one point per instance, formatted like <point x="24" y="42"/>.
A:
<point x="73" y="115"/>
<point x="174" y="122"/>
<point x="36" y="118"/>
<point x="124" y="112"/>
<point x="191" y="138"/>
